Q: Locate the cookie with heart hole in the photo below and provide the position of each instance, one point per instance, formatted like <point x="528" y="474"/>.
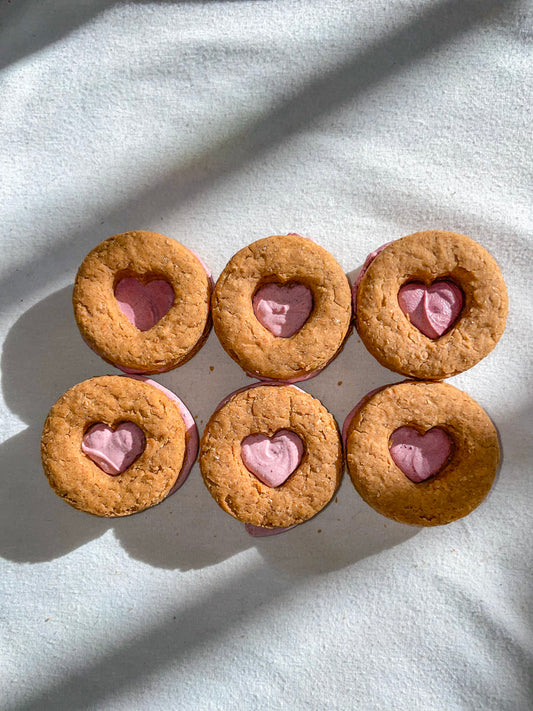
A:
<point x="116" y="445"/>
<point x="142" y="302"/>
<point x="421" y="453"/>
<point x="430" y="305"/>
<point x="282" y="308"/>
<point x="271" y="457"/>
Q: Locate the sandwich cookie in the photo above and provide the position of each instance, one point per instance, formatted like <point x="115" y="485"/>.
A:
<point x="282" y="308"/>
<point x="430" y="305"/>
<point x="115" y="445"/>
<point x="142" y="302"/>
<point x="421" y="453"/>
<point x="271" y="457"/>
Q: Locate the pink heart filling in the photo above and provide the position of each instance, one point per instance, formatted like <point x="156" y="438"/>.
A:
<point x="434" y="309"/>
<point x="144" y="304"/>
<point x="113" y="450"/>
<point x="283" y="309"/>
<point x="420" y="456"/>
<point x="272" y="459"/>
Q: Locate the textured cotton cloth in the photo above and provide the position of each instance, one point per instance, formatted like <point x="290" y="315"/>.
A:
<point x="218" y="123"/>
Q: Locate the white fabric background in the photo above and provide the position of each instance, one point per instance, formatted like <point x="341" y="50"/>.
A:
<point x="218" y="123"/>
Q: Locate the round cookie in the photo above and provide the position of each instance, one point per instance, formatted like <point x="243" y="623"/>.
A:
<point x="282" y="308"/>
<point x="292" y="450"/>
<point x="430" y="305"/>
<point x="142" y="302"/>
<point x="114" y="445"/>
<point x="421" y="453"/>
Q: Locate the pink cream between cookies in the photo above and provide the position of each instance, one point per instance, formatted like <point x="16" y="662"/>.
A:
<point x="146" y="304"/>
<point x="191" y="437"/>
<point x="295" y="305"/>
<point x="418" y="455"/>
<point x="432" y="309"/>
<point x="251" y="529"/>
<point x="114" y="450"/>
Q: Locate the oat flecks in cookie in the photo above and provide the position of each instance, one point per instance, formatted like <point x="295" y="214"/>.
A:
<point x="112" y="400"/>
<point x="145" y="256"/>
<point x="463" y="482"/>
<point x="266" y="410"/>
<point x="430" y="257"/>
<point x="284" y="260"/>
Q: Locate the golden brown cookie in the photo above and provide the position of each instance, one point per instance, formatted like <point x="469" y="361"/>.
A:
<point x="421" y="453"/>
<point x="250" y="428"/>
<point x="299" y="291"/>
<point x="142" y="302"/>
<point x="114" y="445"/>
<point x="447" y="273"/>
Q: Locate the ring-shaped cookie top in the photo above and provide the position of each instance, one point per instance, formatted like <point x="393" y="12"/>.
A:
<point x="146" y="256"/>
<point x="458" y="488"/>
<point x="112" y="400"/>
<point x="282" y="259"/>
<point x="267" y="409"/>
<point x="428" y="257"/>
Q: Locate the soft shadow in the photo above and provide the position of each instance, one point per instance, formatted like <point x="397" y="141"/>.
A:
<point x="292" y="558"/>
<point x="419" y="211"/>
<point x="347" y="531"/>
<point x="35" y="525"/>
<point x="222" y="610"/>
<point x="187" y="179"/>
<point x="28" y="26"/>
<point x="44" y="355"/>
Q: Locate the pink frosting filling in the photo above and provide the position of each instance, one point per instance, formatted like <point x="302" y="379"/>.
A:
<point x="301" y="378"/>
<point x="420" y="456"/>
<point x="206" y="268"/>
<point x="257" y="531"/>
<point x="434" y="309"/>
<point x="144" y="304"/>
<point x="283" y="309"/>
<point x="272" y="459"/>
<point x="147" y="313"/>
<point x="113" y="450"/>
<point x="191" y="439"/>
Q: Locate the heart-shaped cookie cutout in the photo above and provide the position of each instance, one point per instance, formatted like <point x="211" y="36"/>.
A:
<point x="144" y="304"/>
<point x="113" y="450"/>
<point x="283" y="309"/>
<point x="272" y="459"/>
<point x="432" y="309"/>
<point x="420" y="456"/>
